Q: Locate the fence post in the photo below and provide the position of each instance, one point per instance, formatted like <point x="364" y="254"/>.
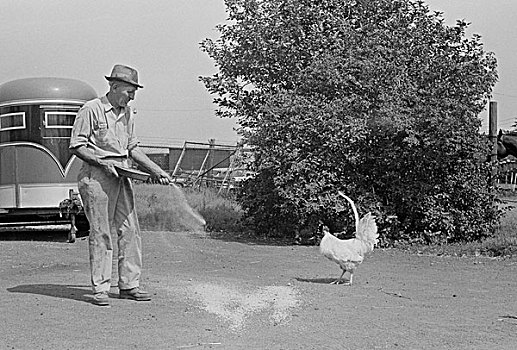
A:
<point x="211" y="160"/>
<point x="178" y="162"/>
<point x="492" y="134"/>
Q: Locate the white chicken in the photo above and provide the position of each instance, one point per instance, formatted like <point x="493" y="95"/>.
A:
<point x="349" y="253"/>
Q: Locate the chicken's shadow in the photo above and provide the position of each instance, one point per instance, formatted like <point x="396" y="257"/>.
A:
<point x="316" y="280"/>
<point x="79" y="293"/>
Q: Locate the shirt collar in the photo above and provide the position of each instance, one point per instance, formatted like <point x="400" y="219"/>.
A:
<point x="106" y="103"/>
<point x="109" y="107"/>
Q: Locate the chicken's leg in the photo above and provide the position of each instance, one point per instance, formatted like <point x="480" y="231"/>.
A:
<point x="338" y="281"/>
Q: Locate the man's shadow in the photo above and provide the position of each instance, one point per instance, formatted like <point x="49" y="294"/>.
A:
<point x="79" y="293"/>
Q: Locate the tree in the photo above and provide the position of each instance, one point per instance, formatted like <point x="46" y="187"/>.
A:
<point x="378" y="98"/>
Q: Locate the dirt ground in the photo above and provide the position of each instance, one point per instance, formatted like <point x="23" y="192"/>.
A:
<point x="215" y="294"/>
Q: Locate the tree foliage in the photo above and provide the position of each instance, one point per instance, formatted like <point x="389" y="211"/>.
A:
<point x="378" y="98"/>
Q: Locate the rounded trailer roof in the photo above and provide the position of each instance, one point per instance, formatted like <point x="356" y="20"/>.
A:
<point x="45" y="89"/>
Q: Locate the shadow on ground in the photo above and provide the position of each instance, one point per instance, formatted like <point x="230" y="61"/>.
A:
<point x="79" y="293"/>
<point x="45" y="236"/>
<point x="252" y="240"/>
<point x="316" y="280"/>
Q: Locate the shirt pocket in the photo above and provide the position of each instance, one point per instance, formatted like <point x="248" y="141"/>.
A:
<point x="101" y="134"/>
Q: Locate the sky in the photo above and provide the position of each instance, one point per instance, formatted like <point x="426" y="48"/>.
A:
<point x="160" y="38"/>
<point x="83" y="39"/>
<point x="494" y="21"/>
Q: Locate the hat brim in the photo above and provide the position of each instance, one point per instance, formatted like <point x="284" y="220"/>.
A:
<point x="125" y="81"/>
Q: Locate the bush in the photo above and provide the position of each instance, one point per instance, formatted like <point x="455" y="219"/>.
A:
<point x="379" y="99"/>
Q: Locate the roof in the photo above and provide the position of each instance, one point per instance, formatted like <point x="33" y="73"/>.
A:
<point x="45" y="89"/>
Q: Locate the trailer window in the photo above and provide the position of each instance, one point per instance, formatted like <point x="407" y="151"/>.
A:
<point x="11" y="121"/>
<point x="59" y="120"/>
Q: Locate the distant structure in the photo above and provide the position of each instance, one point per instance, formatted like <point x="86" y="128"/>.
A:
<point x="197" y="163"/>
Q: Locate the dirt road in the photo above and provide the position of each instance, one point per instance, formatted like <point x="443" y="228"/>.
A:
<point x="215" y="294"/>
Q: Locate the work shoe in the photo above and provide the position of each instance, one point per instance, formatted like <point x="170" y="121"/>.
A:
<point x="134" y="294"/>
<point x="101" y="299"/>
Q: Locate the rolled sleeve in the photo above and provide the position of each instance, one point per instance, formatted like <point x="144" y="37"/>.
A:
<point x="82" y="129"/>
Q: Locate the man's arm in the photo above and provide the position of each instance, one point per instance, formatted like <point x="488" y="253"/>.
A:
<point x="143" y="160"/>
<point x="87" y="155"/>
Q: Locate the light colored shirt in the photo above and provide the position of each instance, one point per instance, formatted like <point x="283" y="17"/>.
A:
<point x="100" y="129"/>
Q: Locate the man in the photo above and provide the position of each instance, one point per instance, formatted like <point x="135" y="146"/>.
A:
<point x="103" y="136"/>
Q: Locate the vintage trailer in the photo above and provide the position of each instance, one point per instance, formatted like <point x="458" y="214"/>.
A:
<point x="38" y="174"/>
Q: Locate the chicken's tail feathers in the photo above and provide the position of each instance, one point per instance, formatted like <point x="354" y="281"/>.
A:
<point x="356" y="214"/>
<point x="367" y="230"/>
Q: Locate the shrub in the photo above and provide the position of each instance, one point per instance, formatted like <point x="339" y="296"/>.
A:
<point x="377" y="98"/>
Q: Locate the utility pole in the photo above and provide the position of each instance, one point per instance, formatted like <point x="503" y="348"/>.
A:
<point x="492" y="135"/>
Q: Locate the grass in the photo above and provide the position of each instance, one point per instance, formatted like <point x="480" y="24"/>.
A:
<point x="502" y="244"/>
<point x="165" y="208"/>
<point x="221" y="211"/>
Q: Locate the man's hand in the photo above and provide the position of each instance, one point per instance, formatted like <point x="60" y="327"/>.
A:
<point x="108" y="167"/>
<point x="157" y="173"/>
<point x="163" y="178"/>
